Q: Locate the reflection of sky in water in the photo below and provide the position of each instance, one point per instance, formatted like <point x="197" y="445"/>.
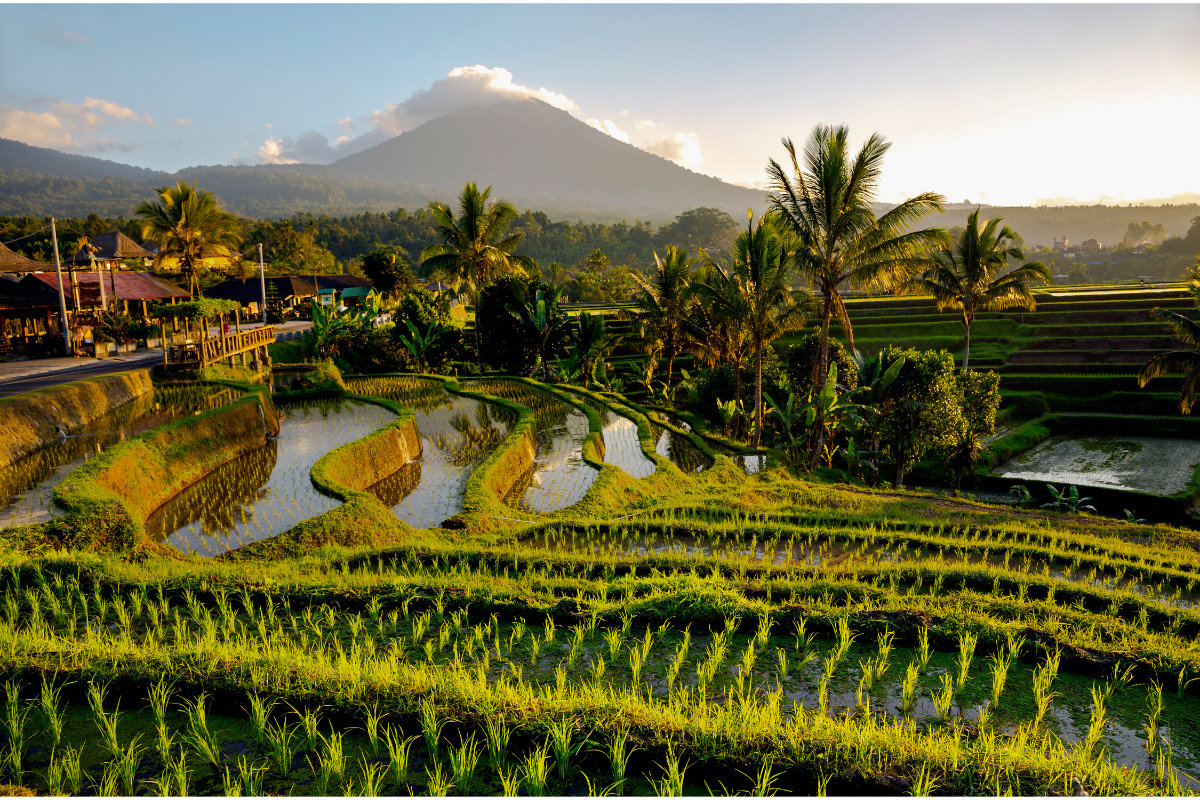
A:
<point x="267" y="491"/>
<point x="560" y="476"/>
<point x="27" y="487"/>
<point x="622" y="448"/>
<point x="1138" y="463"/>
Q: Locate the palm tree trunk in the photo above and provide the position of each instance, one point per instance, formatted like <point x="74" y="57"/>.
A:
<point x="737" y="392"/>
<point x="967" y="350"/>
<point x="478" y="336"/>
<point x="822" y="376"/>
<point x="758" y="418"/>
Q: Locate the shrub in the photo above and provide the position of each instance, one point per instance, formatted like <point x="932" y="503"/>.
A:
<point x="801" y="359"/>
<point x="504" y="343"/>
<point x="422" y="308"/>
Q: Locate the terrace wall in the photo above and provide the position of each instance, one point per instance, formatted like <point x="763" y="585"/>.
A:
<point x="109" y="498"/>
<point x="32" y="420"/>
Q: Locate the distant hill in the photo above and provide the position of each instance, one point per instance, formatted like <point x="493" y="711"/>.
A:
<point x="44" y="161"/>
<point x="1106" y="224"/>
<point x="538" y="156"/>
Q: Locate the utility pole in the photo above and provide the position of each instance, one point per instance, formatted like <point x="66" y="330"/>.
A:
<point x="62" y="300"/>
<point x="262" y="283"/>
<point x="99" y="278"/>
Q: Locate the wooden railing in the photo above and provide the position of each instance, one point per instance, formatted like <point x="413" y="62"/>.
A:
<point x="215" y="348"/>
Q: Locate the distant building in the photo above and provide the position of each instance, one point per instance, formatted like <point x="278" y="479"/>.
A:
<point x="1091" y="247"/>
<point x="108" y="250"/>
<point x="1060" y="245"/>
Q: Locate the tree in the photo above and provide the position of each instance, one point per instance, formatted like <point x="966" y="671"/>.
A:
<point x="967" y="276"/>
<point x="826" y="205"/>
<point x="920" y="410"/>
<point x="390" y="271"/>
<point x="659" y="302"/>
<point x="474" y="247"/>
<point x="709" y="228"/>
<point x="757" y="287"/>
<point x="187" y="224"/>
<point x="543" y="327"/>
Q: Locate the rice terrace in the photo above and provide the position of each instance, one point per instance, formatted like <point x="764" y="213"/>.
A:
<point x="588" y="439"/>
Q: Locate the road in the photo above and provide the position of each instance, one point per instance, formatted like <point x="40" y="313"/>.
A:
<point x="88" y="368"/>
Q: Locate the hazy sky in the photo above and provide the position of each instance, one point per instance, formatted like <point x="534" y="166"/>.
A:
<point x="999" y="104"/>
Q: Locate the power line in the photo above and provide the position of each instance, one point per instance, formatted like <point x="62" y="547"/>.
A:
<point x="35" y="233"/>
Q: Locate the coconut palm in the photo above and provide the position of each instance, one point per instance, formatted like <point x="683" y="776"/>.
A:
<point x="474" y="248"/>
<point x="660" y="303"/>
<point x="1174" y="362"/>
<point x="188" y="224"/>
<point x="826" y="203"/>
<point x="967" y="276"/>
<point x="756" y="288"/>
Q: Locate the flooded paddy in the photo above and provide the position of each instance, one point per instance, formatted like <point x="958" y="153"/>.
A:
<point x="457" y="433"/>
<point x="27" y="486"/>
<point x="559" y="477"/>
<point x="1131" y="463"/>
<point x="622" y="447"/>
<point x="688" y="458"/>
<point x="265" y="492"/>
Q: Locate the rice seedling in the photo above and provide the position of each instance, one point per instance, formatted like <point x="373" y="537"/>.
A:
<point x="1043" y="680"/>
<point x="671" y="784"/>
<point x="463" y="761"/>
<point x="966" y="652"/>
<point x="53" y="712"/>
<point x="437" y="782"/>
<point x="999" y="668"/>
<point x="510" y="782"/>
<point x="399" y="749"/>
<point x="924" y="783"/>
<point x="1154" y="709"/>
<point x="619" y="753"/>
<point x="106" y="723"/>
<point x="431" y="727"/>
<point x="177" y="775"/>
<point x="198" y="735"/>
<point x="943" y="700"/>
<point x="281" y="746"/>
<point x="764" y="779"/>
<point x="536" y="770"/>
<point x="109" y="782"/>
<point x="371" y="774"/>
<point x="923" y="651"/>
<point x="908" y="689"/>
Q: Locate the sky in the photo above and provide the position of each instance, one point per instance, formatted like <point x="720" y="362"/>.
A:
<point x="997" y="104"/>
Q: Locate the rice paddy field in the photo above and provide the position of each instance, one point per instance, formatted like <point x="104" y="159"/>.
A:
<point x="645" y="619"/>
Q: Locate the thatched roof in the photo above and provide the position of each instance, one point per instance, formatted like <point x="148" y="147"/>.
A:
<point x="15" y="262"/>
<point x="111" y="246"/>
<point x="250" y="290"/>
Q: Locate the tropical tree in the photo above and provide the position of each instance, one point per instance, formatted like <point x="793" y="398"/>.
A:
<point x="756" y="287"/>
<point x="544" y="328"/>
<point x="968" y="275"/>
<point x="474" y="247"/>
<point x="826" y="203"/>
<point x="660" y="303"/>
<point x="188" y="224"/>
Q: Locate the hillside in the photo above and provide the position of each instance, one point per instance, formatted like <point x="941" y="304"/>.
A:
<point x="44" y="161"/>
<point x="538" y="156"/>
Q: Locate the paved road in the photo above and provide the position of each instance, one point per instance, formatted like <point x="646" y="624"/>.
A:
<point x="88" y="368"/>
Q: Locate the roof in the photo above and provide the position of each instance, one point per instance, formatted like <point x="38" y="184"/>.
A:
<point x="16" y="295"/>
<point x="129" y="286"/>
<point x="109" y="246"/>
<point x="249" y="290"/>
<point x="356" y="291"/>
<point x="338" y="281"/>
<point x="15" y="262"/>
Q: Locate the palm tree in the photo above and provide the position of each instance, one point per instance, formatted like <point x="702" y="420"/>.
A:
<point x="187" y="224"/>
<point x="474" y="248"/>
<point x="966" y="278"/>
<point x="756" y="288"/>
<point x="660" y="302"/>
<point x="1173" y="362"/>
<point x="826" y="205"/>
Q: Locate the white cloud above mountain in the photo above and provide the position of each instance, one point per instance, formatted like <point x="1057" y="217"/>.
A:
<point x="682" y="148"/>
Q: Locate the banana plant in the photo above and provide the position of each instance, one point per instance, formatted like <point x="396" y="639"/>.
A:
<point x="419" y="346"/>
<point x="1068" y="500"/>
<point x="543" y="327"/>
<point x="729" y="411"/>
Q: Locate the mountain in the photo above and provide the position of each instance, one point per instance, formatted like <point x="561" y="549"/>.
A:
<point x="42" y="160"/>
<point x="538" y="156"/>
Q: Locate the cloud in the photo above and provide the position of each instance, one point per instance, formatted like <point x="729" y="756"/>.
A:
<point x="609" y="127"/>
<point x="51" y="122"/>
<point x="463" y="88"/>
<point x="312" y="148"/>
<point x="752" y="183"/>
<point x="179" y="121"/>
<point x="57" y="34"/>
<point x="682" y="148"/>
<point x="645" y="125"/>
<point x="347" y="125"/>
